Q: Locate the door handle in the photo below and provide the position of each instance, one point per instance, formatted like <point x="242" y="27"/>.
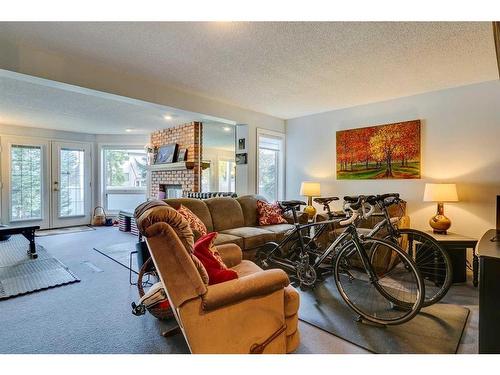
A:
<point x="55" y="186"/>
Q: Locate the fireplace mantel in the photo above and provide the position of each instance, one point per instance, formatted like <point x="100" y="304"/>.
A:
<point x="179" y="166"/>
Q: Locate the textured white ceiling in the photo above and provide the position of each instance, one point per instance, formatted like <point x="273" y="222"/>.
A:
<point x="281" y="68"/>
<point x="33" y="102"/>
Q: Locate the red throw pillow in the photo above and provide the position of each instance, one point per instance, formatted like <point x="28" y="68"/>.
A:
<point x="269" y="213"/>
<point x="194" y="221"/>
<point x="205" y="251"/>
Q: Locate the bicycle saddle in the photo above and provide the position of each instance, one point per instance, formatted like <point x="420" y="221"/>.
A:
<point x="389" y="195"/>
<point x="292" y="203"/>
<point x="352" y="198"/>
<point x="358" y="200"/>
<point x="386" y="199"/>
<point x="325" y="200"/>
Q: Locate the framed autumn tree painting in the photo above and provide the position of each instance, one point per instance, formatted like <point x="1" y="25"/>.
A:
<point x="379" y="152"/>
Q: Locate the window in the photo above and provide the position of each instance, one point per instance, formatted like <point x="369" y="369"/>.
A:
<point x="270" y="164"/>
<point x="205" y="180"/>
<point x="124" y="176"/>
<point x="227" y="172"/>
<point x="26" y="182"/>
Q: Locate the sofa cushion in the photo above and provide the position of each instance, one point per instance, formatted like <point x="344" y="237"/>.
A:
<point x="226" y="213"/>
<point x="252" y="236"/>
<point x="248" y="204"/>
<point x="197" y="206"/>
<point x="280" y="230"/>
<point x="224" y="238"/>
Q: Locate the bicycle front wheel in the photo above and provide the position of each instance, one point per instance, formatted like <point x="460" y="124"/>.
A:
<point x="396" y="293"/>
<point x="432" y="261"/>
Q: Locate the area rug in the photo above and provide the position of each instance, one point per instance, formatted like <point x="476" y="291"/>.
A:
<point x="53" y="232"/>
<point x="20" y="275"/>
<point x="120" y="253"/>
<point x="436" y="329"/>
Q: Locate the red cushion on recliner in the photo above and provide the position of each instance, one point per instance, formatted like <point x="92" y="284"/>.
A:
<point x="217" y="273"/>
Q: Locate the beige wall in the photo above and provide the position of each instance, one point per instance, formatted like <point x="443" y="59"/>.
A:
<point x="460" y="143"/>
<point x="76" y="70"/>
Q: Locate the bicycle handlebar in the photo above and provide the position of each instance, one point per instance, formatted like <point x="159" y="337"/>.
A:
<point x="349" y="220"/>
<point x="366" y="215"/>
<point x="355" y="207"/>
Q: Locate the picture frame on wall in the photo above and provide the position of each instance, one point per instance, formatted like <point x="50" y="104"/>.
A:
<point x="388" y="151"/>
<point x="166" y="154"/>
<point x="182" y="155"/>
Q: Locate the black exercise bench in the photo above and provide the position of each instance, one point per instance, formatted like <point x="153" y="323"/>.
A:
<point x="28" y="232"/>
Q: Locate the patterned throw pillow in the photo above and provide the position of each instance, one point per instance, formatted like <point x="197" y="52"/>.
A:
<point x="194" y="221"/>
<point x="269" y="213"/>
<point x="216" y="269"/>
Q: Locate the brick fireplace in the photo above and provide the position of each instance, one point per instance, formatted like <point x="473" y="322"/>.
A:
<point x="187" y="174"/>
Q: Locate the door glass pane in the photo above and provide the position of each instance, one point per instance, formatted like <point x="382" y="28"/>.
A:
<point x="268" y="174"/>
<point x="26" y="182"/>
<point x="71" y="183"/>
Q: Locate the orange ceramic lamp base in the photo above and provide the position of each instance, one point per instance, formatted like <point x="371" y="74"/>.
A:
<point x="440" y="223"/>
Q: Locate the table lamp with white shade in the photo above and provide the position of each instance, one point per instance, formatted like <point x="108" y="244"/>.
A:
<point x="440" y="193"/>
<point x="310" y="190"/>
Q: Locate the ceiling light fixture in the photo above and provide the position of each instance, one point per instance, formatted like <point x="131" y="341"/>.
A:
<point x="167" y="117"/>
<point x="226" y="128"/>
<point x="128" y="130"/>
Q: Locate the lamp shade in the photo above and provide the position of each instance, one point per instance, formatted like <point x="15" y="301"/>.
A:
<point x="310" y="189"/>
<point x="440" y="193"/>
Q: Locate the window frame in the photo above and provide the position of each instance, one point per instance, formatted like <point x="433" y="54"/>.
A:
<point x="281" y="160"/>
<point x="103" y="191"/>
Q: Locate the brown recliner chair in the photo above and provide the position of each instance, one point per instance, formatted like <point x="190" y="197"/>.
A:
<point x="256" y="313"/>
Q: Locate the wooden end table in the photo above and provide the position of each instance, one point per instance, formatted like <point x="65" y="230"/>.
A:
<point x="456" y="246"/>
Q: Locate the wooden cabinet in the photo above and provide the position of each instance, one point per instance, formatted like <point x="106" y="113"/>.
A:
<point x="489" y="293"/>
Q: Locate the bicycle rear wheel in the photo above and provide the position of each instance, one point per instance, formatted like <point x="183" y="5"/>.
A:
<point x="397" y="295"/>
<point x="432" y="261"/>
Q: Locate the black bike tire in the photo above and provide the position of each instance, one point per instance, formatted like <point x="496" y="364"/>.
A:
<point x="449" y="273"/>
<point x="412" y="311"/>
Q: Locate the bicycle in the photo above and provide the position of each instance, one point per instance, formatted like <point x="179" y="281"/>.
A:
<point x="393" y="297"/>
<point x="431" y="259"/>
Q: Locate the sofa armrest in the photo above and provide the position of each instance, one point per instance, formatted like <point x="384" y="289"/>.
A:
<point x="257" y="284"/>
<point x="230" y="253"/>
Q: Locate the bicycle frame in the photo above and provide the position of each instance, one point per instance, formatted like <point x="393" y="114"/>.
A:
<point x="350" y="231"/>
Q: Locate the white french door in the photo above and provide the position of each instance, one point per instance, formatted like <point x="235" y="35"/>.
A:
<point x="25" y="181"/>
<point x="45" y="183"/>
<point x="71" y="187"/>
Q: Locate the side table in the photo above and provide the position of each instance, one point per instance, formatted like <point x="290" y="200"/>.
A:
<point x="456" y="246"/>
